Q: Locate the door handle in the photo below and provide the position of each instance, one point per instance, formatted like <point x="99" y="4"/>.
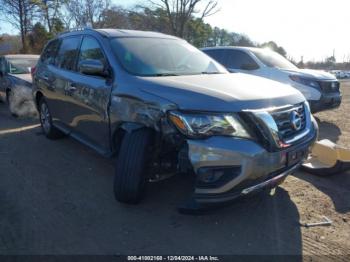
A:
<point x="72" y="88"/>
<point x="46" y="78"/>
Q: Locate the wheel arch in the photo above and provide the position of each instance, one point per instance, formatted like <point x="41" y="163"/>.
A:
<point x="7" y="91"/>
<point x="38" y="96"/>
<point x="119" y="132"/>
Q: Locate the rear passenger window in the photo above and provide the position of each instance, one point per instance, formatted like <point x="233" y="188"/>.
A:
<point x="49" y="54"/>
<point x="240" y="60"/>
<point x="90" y="49"/>
<point x="67" y="54"/>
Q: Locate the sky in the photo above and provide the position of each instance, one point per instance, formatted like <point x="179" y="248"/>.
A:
<point x="309" y="28"/>
<point x="312" y="29"/>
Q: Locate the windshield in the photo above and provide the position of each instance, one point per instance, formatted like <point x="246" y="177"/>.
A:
<point x="162" y="57"/>
<point x="272" y="59"/>
<point x="21" y="65"/>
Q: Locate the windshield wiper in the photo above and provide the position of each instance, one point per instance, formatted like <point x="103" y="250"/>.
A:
<point x="165" y="74"/>
<point x="210" y="73"/>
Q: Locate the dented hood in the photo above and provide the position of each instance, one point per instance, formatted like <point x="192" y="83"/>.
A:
<point x="221" y="92"/>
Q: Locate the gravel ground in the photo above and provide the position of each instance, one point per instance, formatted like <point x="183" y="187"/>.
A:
<point x="56" y="198"/>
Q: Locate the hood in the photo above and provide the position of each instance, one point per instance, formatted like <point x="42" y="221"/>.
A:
<point x="24" y="77"/>
<point x="221" y="92"/>
<point x="309" y="73"/>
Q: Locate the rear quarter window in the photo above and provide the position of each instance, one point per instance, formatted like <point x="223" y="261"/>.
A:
<point x="50" y="52"/>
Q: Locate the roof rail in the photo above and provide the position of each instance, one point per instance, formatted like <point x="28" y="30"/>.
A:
<point x="76" y="29"/>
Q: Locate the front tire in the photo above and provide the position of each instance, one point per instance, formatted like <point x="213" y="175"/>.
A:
<point x="131" y="172"/>
<point x="49" y="130"/>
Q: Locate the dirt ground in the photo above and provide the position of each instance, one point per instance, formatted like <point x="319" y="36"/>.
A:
<point x="56" y="198"/>
<point x="316" y="196"/>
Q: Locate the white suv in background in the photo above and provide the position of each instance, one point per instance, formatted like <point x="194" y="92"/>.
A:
<point x="321" y="89"/>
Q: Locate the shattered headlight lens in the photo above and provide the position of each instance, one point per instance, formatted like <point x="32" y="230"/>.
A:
<point x="204" y="125"/>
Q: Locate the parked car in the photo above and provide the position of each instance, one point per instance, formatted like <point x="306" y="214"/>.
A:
<point x="320" y="88"/>
<point x="162" y="106"/>
<point x="16" y="79"/>
<point x="340" y="74"/>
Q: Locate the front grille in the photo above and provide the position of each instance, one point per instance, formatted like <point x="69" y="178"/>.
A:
<point x="283" y="119"/>
<point x="329" y="86"/>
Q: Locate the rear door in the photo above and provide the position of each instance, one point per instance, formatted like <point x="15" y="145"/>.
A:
<point x="44" y="78"/>
<point x="87" y="114"/>
<point x="61" y="79"/>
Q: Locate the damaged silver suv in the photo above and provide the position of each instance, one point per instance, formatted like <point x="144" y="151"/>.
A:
<point x="161" y="106"/>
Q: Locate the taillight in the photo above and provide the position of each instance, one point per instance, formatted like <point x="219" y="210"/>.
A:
<point x="32" y="70"/>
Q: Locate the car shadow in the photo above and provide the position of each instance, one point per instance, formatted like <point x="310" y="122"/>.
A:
<point x="257" y="225"/>
<point x="335" y="186"/>
<point x="328" y="130"/>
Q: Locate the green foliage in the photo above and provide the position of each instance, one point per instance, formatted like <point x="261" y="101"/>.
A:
<point x="57" y="26"/>
<point x="198" y="33"/>
<point x="38" y="38"/>
<point x="274" y="47"/>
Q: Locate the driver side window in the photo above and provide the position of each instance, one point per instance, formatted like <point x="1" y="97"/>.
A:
<point x="240" y="60"/>
<point x="91" y="50"/>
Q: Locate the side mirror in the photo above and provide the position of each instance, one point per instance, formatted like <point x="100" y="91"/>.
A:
<point x="249" y="67"/>
<point x="92" y="67"/>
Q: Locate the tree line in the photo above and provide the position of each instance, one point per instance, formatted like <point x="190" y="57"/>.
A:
<point x="40" y="20"/>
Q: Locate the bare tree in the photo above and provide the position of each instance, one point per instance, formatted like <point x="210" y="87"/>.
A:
<point x="19" y="13"/>
<point x="85" y="12"/>
<point x="114" y="17"/>
<point x="180" y="12"/>
<point x="50" y="10"/>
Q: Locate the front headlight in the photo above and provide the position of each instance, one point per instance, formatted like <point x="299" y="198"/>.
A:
<point x="205" y="125"/>
<point x="305" y="81"/>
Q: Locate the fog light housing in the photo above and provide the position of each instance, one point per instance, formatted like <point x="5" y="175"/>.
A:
<point x="211" y="177"/>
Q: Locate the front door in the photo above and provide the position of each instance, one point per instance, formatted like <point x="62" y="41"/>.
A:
<point x="88" y="115"/>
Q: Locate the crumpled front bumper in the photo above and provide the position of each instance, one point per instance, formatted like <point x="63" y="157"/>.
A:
<point x="238" y="167"/>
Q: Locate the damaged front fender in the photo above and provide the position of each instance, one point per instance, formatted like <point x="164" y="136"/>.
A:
<point x="131" y="113"/>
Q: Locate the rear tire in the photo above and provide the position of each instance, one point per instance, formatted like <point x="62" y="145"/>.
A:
<point x="49" y="130"/>
<point x="8" y="96"/>
<point x="9" y="101"/>
<point x="132" y="165"/>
